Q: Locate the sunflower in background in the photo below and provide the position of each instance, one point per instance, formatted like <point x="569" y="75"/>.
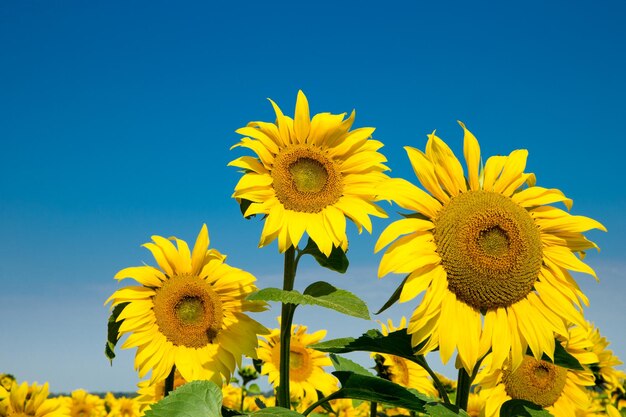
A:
<point x="490" y="245"/>
<point x="83" y="404"/>
<point x="148" y="394"/>
<point x="561" y="391"/>
<point x="25" y="400"/>
<point x="122" y="406"/>
<point x="188" y="313"/>
<point x="400" y="370"/>
<point x="306" y="365"/>
<point x="308" y="175"/>
<point x="607" y="377"/>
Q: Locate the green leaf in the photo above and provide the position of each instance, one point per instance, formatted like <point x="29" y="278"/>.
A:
<point x="337" y="261"/>
<point x="254" y="389"/>
<point x="342" y="364"/>
<point x="194" y="399"/>
<point x="275" y="412"/>
<point x="444" y="410"/>
<point x="522" y="408"/>
<point x="394" y="297"/>
<point x="113" y="328"/>
<point x="318" y="293"/>
<point x="562" y="357"/>
<point x="395" y="343"/>
<point x="371" y="388"/>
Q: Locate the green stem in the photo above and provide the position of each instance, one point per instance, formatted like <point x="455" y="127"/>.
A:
<point x="169" y="382"/>
<point x="463" y="384"/>
<point x="286" y="318"/>
<point x="373" y="408"/>
<point x="421" y="361"/>
<point x="320" y="402"/>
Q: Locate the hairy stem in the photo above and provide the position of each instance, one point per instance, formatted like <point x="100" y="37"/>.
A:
<point x="421" y="361"/>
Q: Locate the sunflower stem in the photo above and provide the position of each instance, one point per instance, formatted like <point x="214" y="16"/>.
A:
<point x="169" y="382"/>
<point x="421" y="360"/>
<point x="463" y="384"/>
<point x="286" y="318"/>
<point x="373" y="408"/>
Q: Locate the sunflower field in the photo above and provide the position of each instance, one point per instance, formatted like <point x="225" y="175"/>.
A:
<point x="487" y="257"/>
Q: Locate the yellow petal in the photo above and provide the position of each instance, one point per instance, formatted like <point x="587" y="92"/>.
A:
<point x="425" y="172"/>
<point x="146" y="275"/>
<point x="448" y="168"/>
<point x="471" y="151"/>
<point x="302" y="118"/>
<point x="493" y="168"/>
<point x="512" y="170"/>
<point x="538" y="196"/>
<point x="401" y="227"/>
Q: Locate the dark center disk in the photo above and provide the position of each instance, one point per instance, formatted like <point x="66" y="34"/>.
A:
<point x="490" y="248"/>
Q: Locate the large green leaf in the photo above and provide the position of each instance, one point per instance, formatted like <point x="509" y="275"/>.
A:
<point x="337" y="261"/>
<point x="522" y="408"/>
<point x="194" y="399"/>
<point x="343" y="364"/>
<point x="371" y="388"/>
<point x="275" y="412"/>
<point x="395" y="343"/>
<point x="113" y="328"/>
<point x="319" y="293"/>
<point x="444" y="410"/>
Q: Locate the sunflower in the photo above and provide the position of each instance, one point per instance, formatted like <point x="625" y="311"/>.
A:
<point x="490" y="245"/>
<point x="84" y="404"/>
<point x="308" y="175"/>
<point x="559" y="390"/>
<point x="403" y="371"/>
<point x="607" y="377"/>
<point x="148" y="394"/>
<point x="122" y="406"/>
<point x="31" y="400"/>
<point x="189" y="312"/>
<point x="306" y="372"/>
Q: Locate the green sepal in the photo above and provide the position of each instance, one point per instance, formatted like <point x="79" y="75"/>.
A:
<point x="243" y="206"/>
<point x="195" y="398"/>
<point x="337" y="261"/>
<point x="343" y="364"/>
<point x="113" y="327"/>
<point x="396" y="343"/>
<point x="562" y="357"/>
<point x="444" y="410"/>
<point x="319" y="293"/>
<point x="371" y="388"/>
<point x="394" y="297"/>
<point x="522" y="408"/>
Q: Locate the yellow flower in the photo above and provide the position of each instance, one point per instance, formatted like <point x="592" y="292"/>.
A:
<point x="31" y="400"/>
<point x="122" y="406"/>
<point x="306" y="372"/>
<point x="308" y="175"/>
<point x="402" y="371"/>
<point x="608" y="378"/>
<point x="559" y="390"/>
<point x="83" y="404"/>
<point x="189" y="312"/>
<point x="484" y="245"/>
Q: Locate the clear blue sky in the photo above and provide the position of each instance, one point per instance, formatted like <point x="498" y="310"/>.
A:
<point x="116" y="120"/>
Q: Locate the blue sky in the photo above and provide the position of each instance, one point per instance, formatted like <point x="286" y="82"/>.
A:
<point x="116" y="120"/>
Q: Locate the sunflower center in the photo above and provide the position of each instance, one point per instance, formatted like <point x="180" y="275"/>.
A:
<point x="309" y="176"/>
<point x="306" y="180"/>
<point x="538" y="381"/>
<point x="490" y="248"/>
<point x="188" y="311"/>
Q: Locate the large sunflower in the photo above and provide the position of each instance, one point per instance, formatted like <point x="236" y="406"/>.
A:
<point x="308" y="175"/>
<point x="306" y="365"/>
<point x="484" y="245"/>
<point x="559" y="390"/>
<point x="32" y="400"/>
<point x="188" y="313"/>
<point x="403" y="371"/>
